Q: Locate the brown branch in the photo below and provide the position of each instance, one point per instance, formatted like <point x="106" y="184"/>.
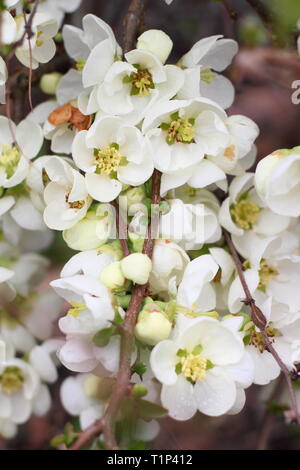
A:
<point x="260" y="321"/>
<point x="127" y="336"/>
<point x="266" y="425"/>
<point x="28" y="33"/>
<point x="122" y="229"/>
<point x="266" y="18"/>
<point x="132" y="23"/>
<point x="87" y="435"/>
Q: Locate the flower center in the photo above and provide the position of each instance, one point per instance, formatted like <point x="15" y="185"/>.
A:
<point x="244" y="214"/>
<point x="192" y="365"/>
<point x="255" y="338"/>
<point x="74" y="204"/>
<point x="78" y="307"/>
<point x="207" y="76"/>
<point x="11" y="380"/>
<point x="141" y="81"/>
<point x="266" y="274"/>
<point x="80" y="65"/>
<point x="108" y="160"/>
<point x="180" y="129"/>
<point x="230" y="152"/>
<point x="9" y="159"/>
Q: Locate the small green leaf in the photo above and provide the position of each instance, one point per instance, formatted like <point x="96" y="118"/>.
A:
<point x="57" y="440"/>
<point x="102" y="338"/>
<point x="148" y="410"/>
<point x="181" y="353"/>
<point x="140" y="368"/>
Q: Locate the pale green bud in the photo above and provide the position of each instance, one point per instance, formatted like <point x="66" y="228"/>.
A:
<point x="112" y="276"/>
<point x="49" y="82"/>
<point x="113" y="248"/>
<point x="152" y="327"/>
<point x="137" y="267"/>
<point x="157" y="42"/>
<point x="90" y="232"/>
<point x="137" y="242"/>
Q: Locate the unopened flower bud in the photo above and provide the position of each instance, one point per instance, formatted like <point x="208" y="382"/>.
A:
<point x="112" y="276"/>
<point x="139" y="390"/>
<point x="137" y="267"/>
<point x="49" y="82"/>
<point x="131" y="197"/>
<point x="90" y="232"/>
<point x="113" y="248"/>
<point x="156" y="41"/>
<point x="152" y="327"/>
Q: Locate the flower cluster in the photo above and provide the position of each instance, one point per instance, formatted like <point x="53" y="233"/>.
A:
<point x="114" y="120"/>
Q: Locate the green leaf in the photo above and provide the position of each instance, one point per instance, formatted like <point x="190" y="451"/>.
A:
<point x="102" y="338"/>
<point x="57" y="440"/>
<point x="140" y="368"/>
<point x="148" y="410"/>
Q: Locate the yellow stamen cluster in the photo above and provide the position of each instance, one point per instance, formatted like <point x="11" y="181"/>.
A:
<point x="39" y="41"/>
<point x="11" y="380"/>
<point x="207" y="76"/>
<point x="80" y="65"/>
<point x="9" y="159"/>
<point x="255" y="338"/>
<point x="74" y="204"/>
<point x="266" y="274"/>
<point x="141" y="82"/>
<point x="180" y="129"/>
<point x="193" y="367"/>
<point x="108" y="160"/>
<point x="245" y="214"/>
<point x="78" y="307"/>
<point x="230" y="152"/>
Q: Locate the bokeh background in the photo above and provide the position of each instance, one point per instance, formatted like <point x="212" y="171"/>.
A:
<point x="262" y="73"/>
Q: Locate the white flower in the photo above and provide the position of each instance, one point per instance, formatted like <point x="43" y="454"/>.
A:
<point x="181" y="134"/>
<point x="58" y="8"/>
<point x="85" y="395"/>
<point x="21" y="275"/>
<point x="112" y="153"/>
<point x="194" y="368"/>
<point x="42" y="358"/>
<point x="243" y="211"/>
<point x="19" y="387"/>
<point x="207" y="57"/>
<point x="94" y="49"/>
<point x="130" y="88"/>
<point x="195" y="292"/>
<point x="42" y="46"/>
<point x="66" y="197"/>
<point x="266" y="368"/>
<point x="3" y="78"/>
<point x="81" y="396"/>
<point x="8" y="28"/>
<point x="156" y="41"/>
<point x="191" y="224"/>
<point x="14" y="156"/>
<point x="277" y="180"/>
<point x="169" y="261"/>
